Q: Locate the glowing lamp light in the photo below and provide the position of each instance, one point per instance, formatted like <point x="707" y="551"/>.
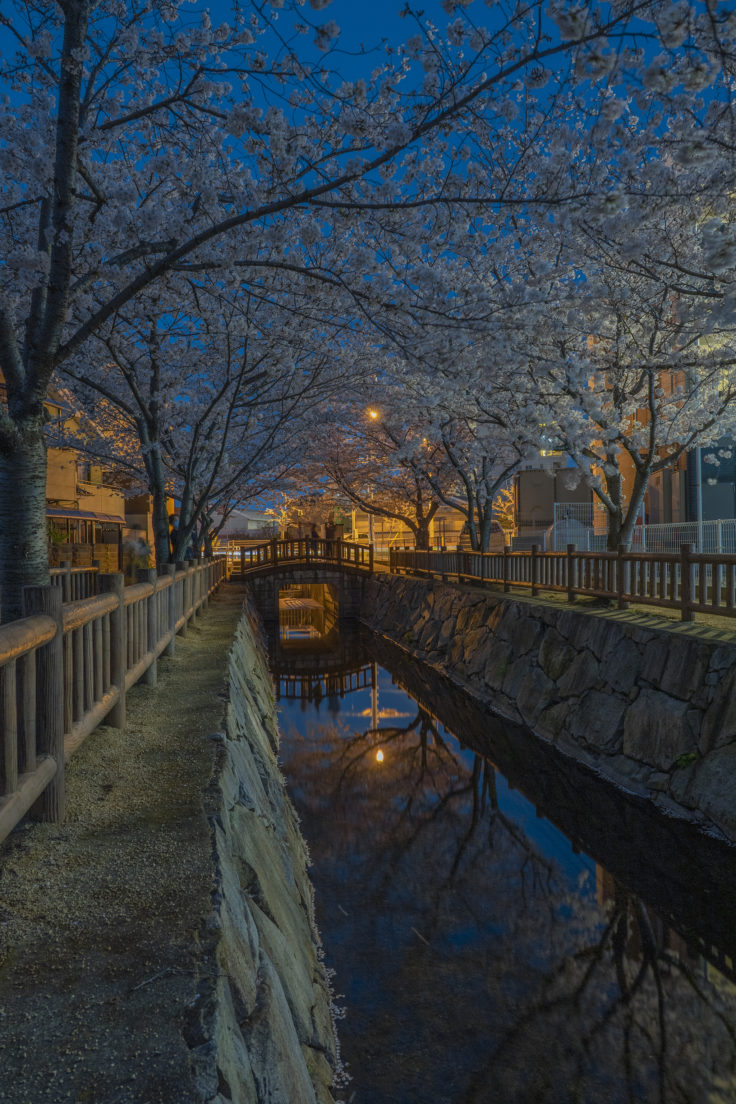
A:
<point x="373" y="414"/>
<point x="379" y="756"/>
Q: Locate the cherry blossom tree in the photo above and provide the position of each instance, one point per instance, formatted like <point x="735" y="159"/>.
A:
<point x="637" y="362"/>
<point x="366" y="452"/>
<point x="216" y="394"/>
<point x="139" y="140"/>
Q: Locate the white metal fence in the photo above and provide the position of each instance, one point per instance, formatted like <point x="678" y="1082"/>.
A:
<point x="584" y="525"/>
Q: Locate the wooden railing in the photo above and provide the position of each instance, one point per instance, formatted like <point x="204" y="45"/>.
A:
<point x="66" y="667"/>
<point x="75" y="582"/>
<point x="691" y="582"/>
<point x="310" y="550"/>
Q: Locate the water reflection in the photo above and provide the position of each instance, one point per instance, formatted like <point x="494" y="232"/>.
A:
<point x="485" y="955"/>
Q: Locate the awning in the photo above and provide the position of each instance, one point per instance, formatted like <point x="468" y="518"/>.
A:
<point x="86" y="515"/>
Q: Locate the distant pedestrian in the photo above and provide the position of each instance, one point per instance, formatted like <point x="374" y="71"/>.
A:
<point x="313" y="538"/>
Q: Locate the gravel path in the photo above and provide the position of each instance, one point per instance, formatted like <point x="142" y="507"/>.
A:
<point x="101" y="919"/>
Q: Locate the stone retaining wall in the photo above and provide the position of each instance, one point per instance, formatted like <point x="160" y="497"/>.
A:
<point x="651" y="708"/>
<point x="272" y="1026"/>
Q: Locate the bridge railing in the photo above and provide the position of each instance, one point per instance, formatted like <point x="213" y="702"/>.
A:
<point x="306" y="550"/>
<point x="690" y="582"/>
<point x="324" y="684"/>
<point x="65" y="668"/>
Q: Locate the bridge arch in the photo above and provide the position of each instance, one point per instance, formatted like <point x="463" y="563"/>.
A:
<point x="346" y="590"/>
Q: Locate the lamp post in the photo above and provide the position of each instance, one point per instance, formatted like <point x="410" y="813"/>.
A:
<point x="373" y="415"/>
<point x="699" y="495"/>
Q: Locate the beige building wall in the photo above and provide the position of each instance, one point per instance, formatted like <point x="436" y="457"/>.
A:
<point x="444" y="529"/>
<point x="61" y="476"/>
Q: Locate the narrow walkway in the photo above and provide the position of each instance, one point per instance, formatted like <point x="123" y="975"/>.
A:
<point x="706" y="625"/>
<point x="100" y="921"/>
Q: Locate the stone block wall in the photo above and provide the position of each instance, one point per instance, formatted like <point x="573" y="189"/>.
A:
<point x="651" y="708"/>
<point x="271" y="1024"/>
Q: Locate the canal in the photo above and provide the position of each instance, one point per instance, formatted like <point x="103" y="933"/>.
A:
<point x="500" y="924"/>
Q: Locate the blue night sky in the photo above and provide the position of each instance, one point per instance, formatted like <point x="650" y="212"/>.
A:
<point x="359" y="22"/>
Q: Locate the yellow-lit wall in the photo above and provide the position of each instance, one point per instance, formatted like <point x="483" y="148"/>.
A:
<point x="61" y="475"/>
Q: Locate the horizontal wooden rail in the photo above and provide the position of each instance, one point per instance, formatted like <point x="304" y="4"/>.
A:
<point x="690" y="582"/>
<point x="75" y="582"/>
<point x="77" y="614"/>
<point x="66" y="667"/>
<point x="312" y="551"/>
<point x="21" y="637"/>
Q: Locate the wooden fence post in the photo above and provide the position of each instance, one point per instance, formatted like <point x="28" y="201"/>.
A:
<point x="113" y="583"/>
<point x="687" y="588"/>
<point x="623" y="577"/>
<point x="182" y="574"/>
<point x="571" y="564"/>
<point x="462" y="566"/>
<point x="196" y="593"/>
<point x="535" y="588"/>
<point x="506" y="554"/>
<point x="49" y="698"/>
<point x="148" y="575"/>
<point x="66" y="580"/>
<point x="170" y="569"/>
<point x="370" y="559"/>
<point x="205" y="581"/>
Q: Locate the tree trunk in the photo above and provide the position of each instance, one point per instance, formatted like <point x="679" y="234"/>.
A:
<point x="614" y="490"/>
<point x="473" y="531"/>
<point x="157" y="489"/>
<point x="24" y="559"/>
<point x="632" y="514"/>
<point x="621" y="521"/>
<point x="421" y="536"/>
<point x="485" y="526"/>
<point x="160" y="522"/>
<point x="188" y="516"/>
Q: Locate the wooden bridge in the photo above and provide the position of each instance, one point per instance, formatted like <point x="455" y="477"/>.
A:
<point x="282" y="555"/>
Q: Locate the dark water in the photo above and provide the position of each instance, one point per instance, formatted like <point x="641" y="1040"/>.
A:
<point x="502" y="925"/>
